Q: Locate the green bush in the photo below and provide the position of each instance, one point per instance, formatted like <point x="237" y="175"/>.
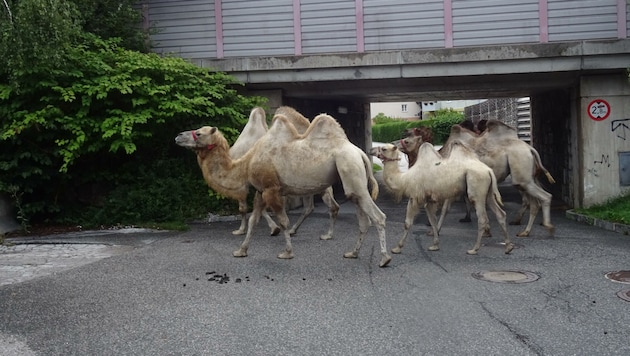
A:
<point x="90" y="132"/>
<point x="441" y="125"/>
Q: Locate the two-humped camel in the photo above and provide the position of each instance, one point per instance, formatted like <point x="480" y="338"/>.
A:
<point x="434" y="179"/>
<point x="500" y="148"/>
<point x="256" y="128"/>
<point x="283" y="163"/>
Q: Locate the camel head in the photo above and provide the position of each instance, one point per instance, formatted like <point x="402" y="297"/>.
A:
<point x="410" y="144"/>
<point x="204" y="138"/>
<point x="425" y="132"/>
<point x="386" y="153"/>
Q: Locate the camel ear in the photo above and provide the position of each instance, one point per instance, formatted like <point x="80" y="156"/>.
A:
<point x="213" y="130"/>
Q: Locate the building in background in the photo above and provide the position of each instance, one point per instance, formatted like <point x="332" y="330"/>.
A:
<point x="410" y="110"/>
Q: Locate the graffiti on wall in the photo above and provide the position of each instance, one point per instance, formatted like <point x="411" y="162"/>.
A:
<point x="620" y="127"/>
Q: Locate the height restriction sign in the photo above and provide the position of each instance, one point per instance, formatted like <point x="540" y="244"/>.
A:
<point x="598" y="109"/>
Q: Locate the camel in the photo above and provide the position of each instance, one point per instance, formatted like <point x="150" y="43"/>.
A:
<point x="460" y="173"/>
<point x="284" y="162"/>
<point x="256" y="128"/>
<point x="500" y="148"/>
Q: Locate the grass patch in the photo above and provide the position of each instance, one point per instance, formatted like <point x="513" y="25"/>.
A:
<point x="615" y="210"/>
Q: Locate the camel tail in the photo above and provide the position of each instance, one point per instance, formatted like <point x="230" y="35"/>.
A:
<point x="370" y="174"/>
<point x="540" y="165"/>
<point x="495" y="189"/>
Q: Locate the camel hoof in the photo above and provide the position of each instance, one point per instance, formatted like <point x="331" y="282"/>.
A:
<point x="508" y="248"/>
<point x="397" y="250"/>
<point x="487" y="234"/>
<point x="430" y="233"/>
<point x="238" y="232"/>
<point x="286" y="255"/>
<point x="291" y="233"/>
<point x="385" y="260"/>
<point x="434" y="248"/>
<point x="352" y="254"/>
<point x="275" y="231"/>
<point x="240" y="253"/>
<point x="551" y="229"/>
<point x="325" y="237"/>
<point x="523" y="234"/>
<point x="464" y="220"/>
<point x="471" y="252"/>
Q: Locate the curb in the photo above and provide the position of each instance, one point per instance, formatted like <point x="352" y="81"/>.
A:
<point x="602" y="224"/>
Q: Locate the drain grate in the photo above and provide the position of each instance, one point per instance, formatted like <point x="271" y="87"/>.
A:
<point x="507" y="276"/>
<point x="624" y="294"/>
<point x="619" y="276"/>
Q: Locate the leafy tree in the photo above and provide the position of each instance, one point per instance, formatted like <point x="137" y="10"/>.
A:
<point x="87" y="125"/>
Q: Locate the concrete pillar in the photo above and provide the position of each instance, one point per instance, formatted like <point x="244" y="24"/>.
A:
<point x="604" y="130"/>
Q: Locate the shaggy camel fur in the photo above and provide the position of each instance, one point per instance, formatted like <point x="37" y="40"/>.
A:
<point x="500" y="148"/>
<point x="460" y="173"/>
<point x="256" y="128"/>
<point x="283" y="162"/>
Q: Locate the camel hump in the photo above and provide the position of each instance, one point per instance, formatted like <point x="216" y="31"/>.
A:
<point x="282" y="128"/>
<point x="299" y="121"/>
<point x="427" y="151"/>
<point x="498" y="126"/>
<point x="325" y="126"/>
<point x="255" y="128"/>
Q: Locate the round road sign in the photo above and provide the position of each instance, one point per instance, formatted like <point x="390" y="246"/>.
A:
<point x="598" y="109"/>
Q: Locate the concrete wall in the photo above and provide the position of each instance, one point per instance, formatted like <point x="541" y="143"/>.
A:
<point x="603" y="140"/>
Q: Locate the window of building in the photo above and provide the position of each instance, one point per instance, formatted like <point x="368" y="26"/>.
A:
<point x="404" y="108"/>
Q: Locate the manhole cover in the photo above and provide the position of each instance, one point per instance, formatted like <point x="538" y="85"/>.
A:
<point x="624" y="294"/>
<point x="508" y="276"/>
<point x="619" y="276"/>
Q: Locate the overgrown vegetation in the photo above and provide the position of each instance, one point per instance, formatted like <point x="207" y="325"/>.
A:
<point x="387" y="129"/>
<point x="88" y="119"/>
<point x="615" y="210"/>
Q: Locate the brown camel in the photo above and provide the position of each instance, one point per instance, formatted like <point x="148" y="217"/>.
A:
<point x="435" y="179"/>
<point x="282" y="163"/>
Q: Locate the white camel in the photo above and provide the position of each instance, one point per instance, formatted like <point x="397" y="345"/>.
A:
<point x="256" y="128"/>
<point x="500" y="148"/>
<point x="434" y="179"/>
<point x="283" y="163"/>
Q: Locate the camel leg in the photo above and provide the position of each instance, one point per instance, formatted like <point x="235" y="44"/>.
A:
<point x="413" y="208"/>
<point x="275" y="229"/>
<point x="242" y="208"/>
<point x="431" y="209"/>
<point x="521" y="211"/>
<point x="367" y="212"/>
<point x="482" y="224"/>
<point x="254" y="218"/>
<point x="468" y="208"/>
<point x="309" y="206"/>
<point x="538" y="197"/>
<point x="333" y="211"/>
<point x="501" y="219"/>
<point x="445" y="208"/>
<point x="273" y="199"/>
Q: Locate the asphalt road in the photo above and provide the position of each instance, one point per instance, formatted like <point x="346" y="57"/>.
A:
<point x="182" y="293"/>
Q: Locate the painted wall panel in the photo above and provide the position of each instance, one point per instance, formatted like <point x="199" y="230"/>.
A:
<point x="266" y="27"/>
<point x="582" y="20"/>
<point x="328" y="26"/>
<point x="186" y="28"/>
<point x="409" y="24"/>
<point x="272" y="21"/>
<point x="491" y="22"/>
